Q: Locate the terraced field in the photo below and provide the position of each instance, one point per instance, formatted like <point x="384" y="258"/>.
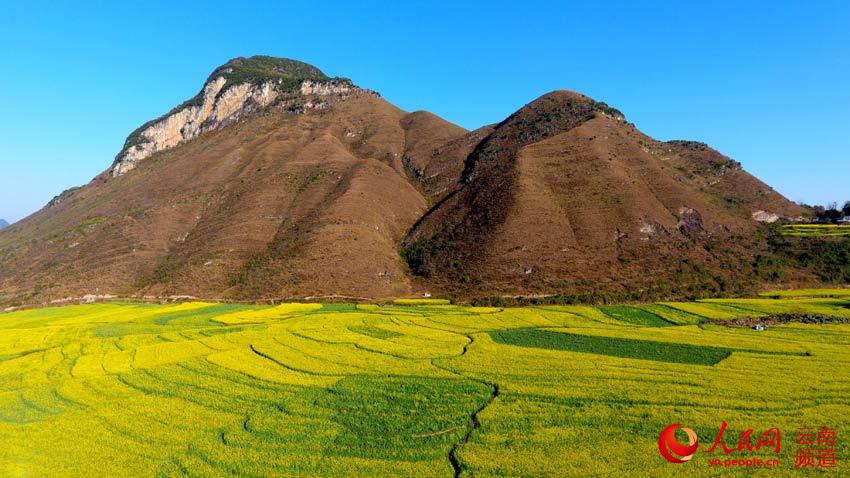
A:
<point x="816" y="230"/>
<point x="420" y="389"/>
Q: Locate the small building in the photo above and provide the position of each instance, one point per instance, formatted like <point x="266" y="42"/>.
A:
<point x="844" y="220"/>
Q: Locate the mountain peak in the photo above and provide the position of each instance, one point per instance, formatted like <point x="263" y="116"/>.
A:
<point x="553" y="113"/>
<point x="258" y="69"/>
<point x="3" y="223"/>
<point x="239" y="88"/>
<point x="561" y="100"/>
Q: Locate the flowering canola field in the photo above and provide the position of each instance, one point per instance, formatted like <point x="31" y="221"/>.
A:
<point x="413" y="389"/>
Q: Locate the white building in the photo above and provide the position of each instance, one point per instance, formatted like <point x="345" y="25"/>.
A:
<point x="844" y="220"/>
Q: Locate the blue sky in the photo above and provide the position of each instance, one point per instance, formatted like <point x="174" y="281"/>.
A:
<point x="767" y="83"/>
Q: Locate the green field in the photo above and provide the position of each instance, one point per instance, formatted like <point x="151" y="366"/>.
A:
<point x="417" y="388"/>
<point x="816" y="230"/>
<point x="807" y="293"/>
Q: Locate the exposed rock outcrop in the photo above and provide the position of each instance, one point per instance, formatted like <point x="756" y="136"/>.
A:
<point x="764" y="216"/>
<point x="690" y="222"/>
<point x="771" y="217"/>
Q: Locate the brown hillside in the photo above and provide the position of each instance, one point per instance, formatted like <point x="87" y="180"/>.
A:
<point x="274" y="206"/>
<point x="436" y="151"/>
<point x="565" y="195"/>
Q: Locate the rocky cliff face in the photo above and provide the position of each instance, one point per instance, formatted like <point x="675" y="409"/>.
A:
<point x="231" y="93"/>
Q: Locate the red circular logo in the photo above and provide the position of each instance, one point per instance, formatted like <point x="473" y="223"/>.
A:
<point x="669" y="446"/>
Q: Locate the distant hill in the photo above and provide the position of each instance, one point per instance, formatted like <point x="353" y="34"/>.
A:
<point x="277" y="181"/>
<point x="3" y="223"/>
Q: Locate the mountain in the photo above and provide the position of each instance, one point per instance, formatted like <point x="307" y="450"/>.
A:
<point x="567" y="194"/>
<point x="277" y="181"/>
<point x="3" y="223"/>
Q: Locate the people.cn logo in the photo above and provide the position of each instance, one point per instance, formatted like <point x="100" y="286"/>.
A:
<point x="669" y="446"/>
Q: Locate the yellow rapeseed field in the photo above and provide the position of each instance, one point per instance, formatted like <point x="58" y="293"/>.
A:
<point x="416" y="388"/>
